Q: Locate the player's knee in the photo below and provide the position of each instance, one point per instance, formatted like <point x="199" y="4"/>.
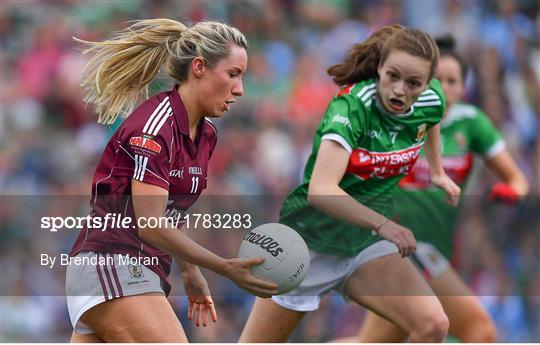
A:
<point x="433" y="329"/>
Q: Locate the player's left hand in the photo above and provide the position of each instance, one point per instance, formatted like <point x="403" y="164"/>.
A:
<point x="451" y="189"/>
<point x="504" y="192"/>
<point x="200" y="302"/>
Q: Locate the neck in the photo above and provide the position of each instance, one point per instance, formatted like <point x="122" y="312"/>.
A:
<point x="194" y="113"/>
<point x="447" y="110"/>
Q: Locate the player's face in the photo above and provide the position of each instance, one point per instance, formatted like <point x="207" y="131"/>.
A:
<point x="222" y="84"/>
<point x="402" y="78"/>
<point x="449" y="74"/>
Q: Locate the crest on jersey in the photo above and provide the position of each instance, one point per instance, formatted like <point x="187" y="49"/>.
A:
<point x="421" y="130"/>
<point x="460" y="139"/>
<point x="135" y="271"/>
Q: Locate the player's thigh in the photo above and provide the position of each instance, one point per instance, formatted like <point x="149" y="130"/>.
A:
<point x="392" y="287"/>
<point x="85" y="338"/>
<point x="467" y="316"/>
<point x="139" y="318"/>
<point x="269" y="322"/>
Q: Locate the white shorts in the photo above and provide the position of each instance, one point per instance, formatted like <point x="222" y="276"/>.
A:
<point x="329" y="272"/>
<point x="429" y="260"/>
<point x="88" y="285"/>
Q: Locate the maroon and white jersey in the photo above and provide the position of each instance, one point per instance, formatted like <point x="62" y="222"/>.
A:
<point x="152" y="146"/>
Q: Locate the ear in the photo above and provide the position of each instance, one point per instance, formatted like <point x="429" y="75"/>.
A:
<point x="198" y="67"/>
<point x="379" y="69"/>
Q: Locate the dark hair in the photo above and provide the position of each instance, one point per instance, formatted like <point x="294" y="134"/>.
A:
<point x="364" y="58"/>
<point x="447" y="47"/>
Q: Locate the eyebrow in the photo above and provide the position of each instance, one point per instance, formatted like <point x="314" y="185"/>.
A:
<point x="396" y="70"/>
<point x="237" y="68"/>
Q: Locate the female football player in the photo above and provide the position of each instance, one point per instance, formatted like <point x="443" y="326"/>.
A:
<point x="465" y="130"/>
<point x="369" y="138"/>
<point x="155" y="165"/>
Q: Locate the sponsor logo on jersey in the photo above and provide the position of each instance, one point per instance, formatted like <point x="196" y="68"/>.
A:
<point x="366" y="164"/>
<point x="342" y="120"/>
<point x="195" y="170"/>
<point x="421" y="131"/>
<point x="145" y="143"/>
<point x="177" y="173"/>
<point x="373" y="134"/>
<point x="265" y="242"/>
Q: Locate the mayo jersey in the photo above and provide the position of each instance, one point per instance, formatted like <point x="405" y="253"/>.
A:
<point x="421" y="206"/>
<point x="152" y="146"/>
<point x="383" y="147"/>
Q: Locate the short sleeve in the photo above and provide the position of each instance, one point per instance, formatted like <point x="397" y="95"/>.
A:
<point x="485" y="138"/>
<point x="151" y="158"/>
<point x="432" y="103"/>
<point x="340" y="123"/>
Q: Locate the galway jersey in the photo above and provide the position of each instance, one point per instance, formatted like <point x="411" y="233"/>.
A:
<point x="383" y="147"/>
<point x="152" y="146"/>
<point x="420" y="206"/>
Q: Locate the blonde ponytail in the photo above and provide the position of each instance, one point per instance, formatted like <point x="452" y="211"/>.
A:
<point x="123" y="66"/>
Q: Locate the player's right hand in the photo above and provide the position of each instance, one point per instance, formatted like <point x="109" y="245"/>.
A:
<point x="402" y="237"/>
<point x="239" y="271"/>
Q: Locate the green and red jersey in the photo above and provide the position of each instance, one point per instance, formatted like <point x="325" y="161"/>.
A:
<point x="383" y="148"/>
<point x="421" y="206"/>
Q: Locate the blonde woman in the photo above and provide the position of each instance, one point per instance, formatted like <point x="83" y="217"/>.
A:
<point x="154" y="165"/>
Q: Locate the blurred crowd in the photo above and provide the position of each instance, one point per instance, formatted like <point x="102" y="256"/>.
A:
<point x="50" y="142"/>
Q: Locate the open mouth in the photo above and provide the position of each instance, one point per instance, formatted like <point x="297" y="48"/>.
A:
<point x="228" y="105"/>
<point x="397" y="104"/>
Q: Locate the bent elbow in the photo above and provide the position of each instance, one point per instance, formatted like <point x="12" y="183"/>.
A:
<point x="314" y="195"/>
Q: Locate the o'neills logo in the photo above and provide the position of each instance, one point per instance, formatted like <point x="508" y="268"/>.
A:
<point x="265" y="242"/>
<point x="145" y="143"/>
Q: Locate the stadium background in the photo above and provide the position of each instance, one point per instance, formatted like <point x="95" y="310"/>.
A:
<point x="50" y="143"/>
